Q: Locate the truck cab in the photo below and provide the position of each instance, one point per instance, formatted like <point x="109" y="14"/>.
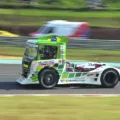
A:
<point x="44" y="54"/>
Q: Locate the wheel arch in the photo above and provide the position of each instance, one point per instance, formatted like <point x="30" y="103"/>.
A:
<point x="108" y="67"/>
<point x="111" y="68"/>
<point x="116" y="69"/>
<point x="48" y="67"/>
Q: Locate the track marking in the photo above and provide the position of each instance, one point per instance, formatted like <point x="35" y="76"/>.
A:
<point x="74" y="95"/>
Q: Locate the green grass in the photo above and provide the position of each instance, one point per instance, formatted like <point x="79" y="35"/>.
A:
<point x="94" y="55"/>
<point x="74" y="54"/>
<point x="39" y="21"/>
<point x="30" y="21"/>
<point x="59" y="108"/>
<point x="11" y="51"/>
<point x="46" y="13"/>
<point x="24" y="17"/>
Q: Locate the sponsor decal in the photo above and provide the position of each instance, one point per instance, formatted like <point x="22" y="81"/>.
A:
<point x="72" y="80"/>
<point x="91" y="64"/>
<point x="62" y="61"/>
<point x="62" y="52"/>
<point x="64" y="76"/>
<point x="62" y="80"/>
<point x="25" y="65"/>
<point x="62" y="56"/>
<point x="90" y="74"/>
<point x="32" y="68"/>
<point x="50" y="62"/>
<point x="76" y="80"/>
<point x="62" y="47"/>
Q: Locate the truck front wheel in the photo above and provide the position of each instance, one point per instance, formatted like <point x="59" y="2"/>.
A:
<point x="48" y="79"/>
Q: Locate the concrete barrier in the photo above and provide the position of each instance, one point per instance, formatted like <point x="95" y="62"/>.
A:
<point x="73" y="43"/>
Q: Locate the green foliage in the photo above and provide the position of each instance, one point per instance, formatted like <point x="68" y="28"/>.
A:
<point x="111" y="1"/>
<point x="63" y="3"/>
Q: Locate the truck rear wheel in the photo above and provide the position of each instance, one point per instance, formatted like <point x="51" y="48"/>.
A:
<point x="48" y="79"/>
<point x="109" y="78"/>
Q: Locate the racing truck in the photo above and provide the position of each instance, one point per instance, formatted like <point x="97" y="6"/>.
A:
<point x="44" y="63"/>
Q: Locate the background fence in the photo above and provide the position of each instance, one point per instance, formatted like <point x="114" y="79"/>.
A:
<point x="73" y="43"/>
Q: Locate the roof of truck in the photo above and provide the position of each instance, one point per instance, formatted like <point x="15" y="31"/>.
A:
<point x="65" y="22"/>
<point x="50" y="39"/>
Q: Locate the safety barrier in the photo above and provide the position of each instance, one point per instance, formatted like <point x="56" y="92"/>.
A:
<point x="73" y="43"/>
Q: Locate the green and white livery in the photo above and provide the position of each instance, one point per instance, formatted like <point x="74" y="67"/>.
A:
<point x="45" y="63"/>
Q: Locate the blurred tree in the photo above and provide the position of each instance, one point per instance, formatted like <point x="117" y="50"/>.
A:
<point x="51" y="1"/>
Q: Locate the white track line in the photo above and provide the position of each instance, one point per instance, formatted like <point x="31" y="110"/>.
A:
<point x="74" y="95"/>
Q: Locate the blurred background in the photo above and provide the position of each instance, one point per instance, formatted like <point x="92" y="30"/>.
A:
<point x="23" y="17"/>
<point x="95" y="25"/>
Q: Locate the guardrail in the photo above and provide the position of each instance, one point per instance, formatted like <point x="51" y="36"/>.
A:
<point x="73" y="43"/>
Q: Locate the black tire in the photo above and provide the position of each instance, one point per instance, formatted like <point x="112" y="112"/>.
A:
<point x="109" y="78"/>
<point x="48" y="79"/>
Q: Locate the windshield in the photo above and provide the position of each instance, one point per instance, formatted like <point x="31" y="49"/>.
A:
<point x="41" y="29"/>
<point x="31" y="51"/>
<point x="48" y="52"/>
<point x="45" y="29"/>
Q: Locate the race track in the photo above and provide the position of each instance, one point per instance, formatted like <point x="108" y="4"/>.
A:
<point x="8" y="85"/>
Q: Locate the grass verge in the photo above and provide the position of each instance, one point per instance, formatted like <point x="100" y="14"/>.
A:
<point x="73" y="54"/>
<point x="59" y="108"/>
<point x="24" y="17"/>
<point x="47" y="13"/>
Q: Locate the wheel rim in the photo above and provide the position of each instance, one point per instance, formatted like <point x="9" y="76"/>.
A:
<point x="48" y="80"/>
<point x="110" y="78"/>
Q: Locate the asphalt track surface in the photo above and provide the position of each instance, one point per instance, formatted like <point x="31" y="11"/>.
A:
<point x="8" y="85"/>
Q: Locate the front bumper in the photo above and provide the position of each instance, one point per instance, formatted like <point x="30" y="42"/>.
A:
<point x="25" y="81"/>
